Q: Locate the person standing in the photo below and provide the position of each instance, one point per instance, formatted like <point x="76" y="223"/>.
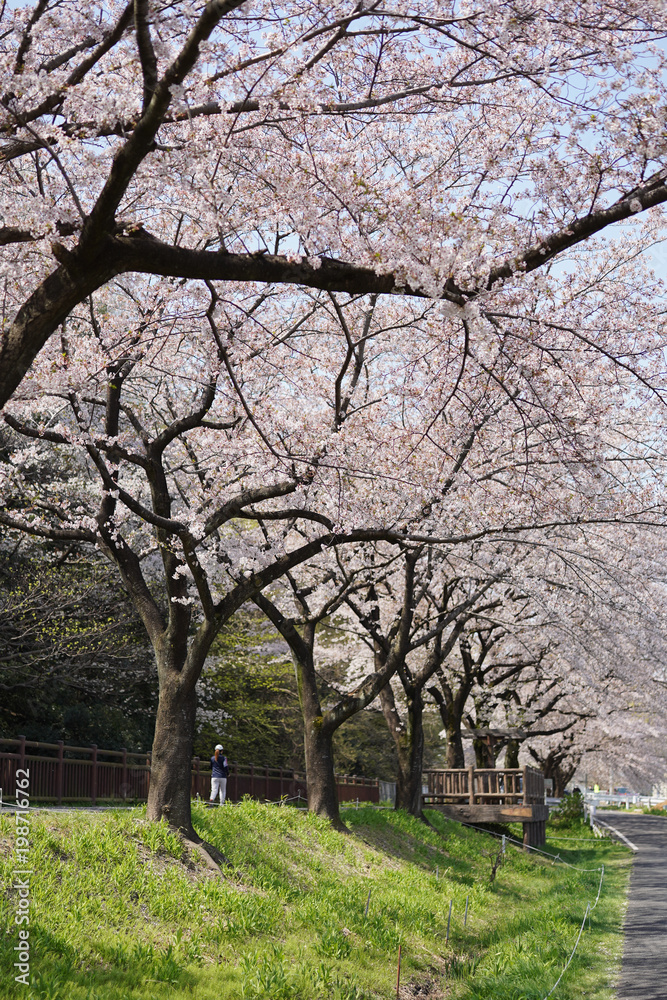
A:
<point x="219" y="772"/>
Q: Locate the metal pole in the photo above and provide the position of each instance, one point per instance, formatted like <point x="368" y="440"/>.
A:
<point x="398" y="976"/>
<point x="368" y="903"/>
<point x="449" y="920"/>
<point x="465" y="916"/>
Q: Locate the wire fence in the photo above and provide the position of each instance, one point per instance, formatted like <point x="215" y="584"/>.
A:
<point x="556" y="858"/>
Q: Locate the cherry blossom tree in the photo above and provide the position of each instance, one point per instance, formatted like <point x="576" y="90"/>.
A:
<point x="312" y="605"/>
<point x="172" y="547"/>
<point x="555" y="652"/>
<point x="299" y="262"/>
<point x="598" y="635"/>
<point x="443" y="605"/>
<point x="180" y="428"/>
<point x="339" y="594"/>
<point x="343" y="147"/>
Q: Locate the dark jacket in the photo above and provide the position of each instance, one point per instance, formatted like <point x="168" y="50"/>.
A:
<point x="219" y="767"/>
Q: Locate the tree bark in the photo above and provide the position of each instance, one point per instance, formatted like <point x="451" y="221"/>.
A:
<point x="409" y="742"/>
<point x="512" y="753"/>
<point x="481" y="754"/>
<point x="318" y="743"/>
<point x="322" y="789"/>
<point x="319" y="726"/>
<point x="561" y="775"/>
<point x="409" y="789"/>
<point x="171" y="761"/>
<point x="455" y="755"/>
<point x="559" y="766"/>
<point x="317" y="731"/>
<point x="451" y="712"/>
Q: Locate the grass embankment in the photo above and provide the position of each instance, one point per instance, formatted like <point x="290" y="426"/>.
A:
<point x="119" y="911"/>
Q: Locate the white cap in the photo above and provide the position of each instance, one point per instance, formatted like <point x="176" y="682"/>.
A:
<point x="219" y="746"/>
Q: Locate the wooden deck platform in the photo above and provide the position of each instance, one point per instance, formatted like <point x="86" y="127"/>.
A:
<point x="490" y="795"/>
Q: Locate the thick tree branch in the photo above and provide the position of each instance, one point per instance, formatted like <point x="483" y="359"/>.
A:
<point x="44" y="531"/>
<point x="58" y="294"/>
<point x="146" y="50"/>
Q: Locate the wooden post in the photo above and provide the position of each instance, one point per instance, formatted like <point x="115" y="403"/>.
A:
<point x="22" y="753"/>
<point x="197" y="792"/>
<point x="531" y="834"/>
<point x="281" y="783"/>
<point x="93" y="780"/>
<point x="524" y="776"/>
<point x="252" y="780"/>
<point x="471" y="784"/>
<point x="59" y="772"/>
<point x="267" y="784"/>
<point x="236" y="782"/>
<point x="123" y="786"/>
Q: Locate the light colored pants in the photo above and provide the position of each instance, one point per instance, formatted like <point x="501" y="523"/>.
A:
<point x="218" y="786"/>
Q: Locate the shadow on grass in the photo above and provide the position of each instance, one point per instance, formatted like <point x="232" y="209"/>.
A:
<point x="406" y="845"/>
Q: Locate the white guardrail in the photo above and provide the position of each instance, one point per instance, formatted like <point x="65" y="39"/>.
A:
<point x="626" y="799"/>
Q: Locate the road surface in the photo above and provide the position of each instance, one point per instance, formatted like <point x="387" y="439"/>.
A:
<point x="644" y="970"/>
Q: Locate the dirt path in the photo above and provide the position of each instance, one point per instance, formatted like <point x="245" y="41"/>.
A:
<point x="644" y="971"/>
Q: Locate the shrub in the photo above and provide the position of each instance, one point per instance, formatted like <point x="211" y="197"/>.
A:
<point x="571" y="808"/>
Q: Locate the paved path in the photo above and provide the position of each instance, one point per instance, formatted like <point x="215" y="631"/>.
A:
<point x="644" y="971"/>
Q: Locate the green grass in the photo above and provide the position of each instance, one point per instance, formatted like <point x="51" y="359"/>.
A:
<point x="121" y="911"/>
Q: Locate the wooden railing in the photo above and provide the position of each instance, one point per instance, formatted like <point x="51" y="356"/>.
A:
<point x="61" y="773"/>
<point x="480" y="786"/>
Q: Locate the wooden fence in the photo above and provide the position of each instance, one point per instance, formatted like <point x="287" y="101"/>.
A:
<point x="485" y="786"/>
<point x="60" y="773"/>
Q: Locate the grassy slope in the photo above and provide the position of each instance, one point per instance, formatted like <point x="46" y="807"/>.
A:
<point x="119" y="912"/>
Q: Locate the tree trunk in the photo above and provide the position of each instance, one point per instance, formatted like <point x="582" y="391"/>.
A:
<point x="485" y="755"/>
<point x="451" y="712"/>
<point x="455" y="756"/>
<point x="320" y="726"/>
<point x="561" y="775"/>
<point x="409" y="742"/>
<point x="559" y="767"/>
<point x="317" y="737"/>
<point x="557" y="777"/>
<point x="171" y="761"/>
<point x="322" y="789"/>
<point x="411" y="758"/>
<point x="512" y="753"/>
<point x="481" y="759"/>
